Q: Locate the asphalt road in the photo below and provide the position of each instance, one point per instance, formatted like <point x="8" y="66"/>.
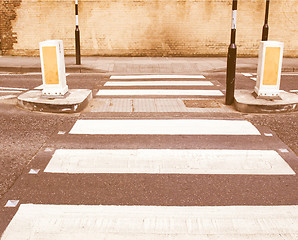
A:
<point x="24" y="133"/>
<point x="28" y="139"/>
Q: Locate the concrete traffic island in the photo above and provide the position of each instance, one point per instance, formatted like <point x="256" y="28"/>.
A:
<point x="55" y="97"/>
<point x="245" y="102"/>
<point x="267" y="96"/>
<point x="74" y="101"/>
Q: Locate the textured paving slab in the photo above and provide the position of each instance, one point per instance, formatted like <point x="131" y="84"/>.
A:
<point x="167" y="161"/>
<point x="153" y="222"/>
<point x="153" y="105"/>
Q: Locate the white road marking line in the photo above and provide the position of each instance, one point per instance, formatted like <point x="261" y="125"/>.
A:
<point x="152" y="92"/>
<point x="165" y="127"/>
<point x="283" y="150"/>
<point x="30" y="74"/>
<point x="10" y="91"/>
<point x="159" y="83"/>
<point x="289" y="74"/>
<point x="168" y="161"/>
<point x="247" y="74"/>
<point x="40" y="87"/>
<point x="49" y="150"/>
<point x="11" y="88"/>
<point x="34" y="171"/>
<point x="254" y="79"/>
<point x="100" y="222"/>
<point x="157" y="77"/>
<point x="12" y="203"/>
<point x="268" y="134"/>
<point x="7" y="97"/>
<point x="18" y="74"/>
<point x="294" y="91"/>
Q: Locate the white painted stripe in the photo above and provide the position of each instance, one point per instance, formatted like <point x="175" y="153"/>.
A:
<point x="154" y="92"/>
<point x="32" y="73"/>
<point x="247" y="74"/>
<point x="165" y="127"/>
<point x="234" y="19"/>
<point x="101" y="222"/>
<point x="77" y="20"/>
<point x="167" y="161"/>
<point x="11" y="88"/>
<point x="40" y="87"/>
<point x="7" y="97"/>
<point x="159" y="83"/>
<point x="18" y="74"/>
<point x="12" y="203"/>
<point x="294" y="91"/>
<point x="9" y="91"/>
<point x="254" y="79"/>
<point x="289" y="74"/>
<point x="119" y="77"/>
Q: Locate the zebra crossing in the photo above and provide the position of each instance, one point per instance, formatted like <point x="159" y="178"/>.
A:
<point x="148" y="222"/>
<point x="107" y="177"/>
<point x="156" y="93"/>
<point x="168" y="161"/>
<point x="165" y="127"/>
<point x="170" y="83"/>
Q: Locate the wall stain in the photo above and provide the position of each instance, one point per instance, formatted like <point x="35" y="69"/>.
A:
<point x="8" y="13"/>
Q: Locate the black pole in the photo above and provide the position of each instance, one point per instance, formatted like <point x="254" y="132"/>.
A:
<point x="231" y="61"/>
<point x="77" y="35"/>
<point x="266" y="26"/>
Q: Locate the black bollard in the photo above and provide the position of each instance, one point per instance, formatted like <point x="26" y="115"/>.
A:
<point x="231" y="61"/>
<point x="266" y="26"/>
<point x="77" y="35"/>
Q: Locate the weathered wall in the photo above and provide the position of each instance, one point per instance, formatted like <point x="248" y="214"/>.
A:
<point x="7" y="16"/>
<point x="146" y="27"/>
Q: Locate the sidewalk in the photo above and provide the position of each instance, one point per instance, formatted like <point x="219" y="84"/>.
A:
<point x="144" y="65"/>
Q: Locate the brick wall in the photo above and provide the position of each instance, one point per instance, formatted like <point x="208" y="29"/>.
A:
<point x="147" y="27"/>
<point x="7" y="15"/>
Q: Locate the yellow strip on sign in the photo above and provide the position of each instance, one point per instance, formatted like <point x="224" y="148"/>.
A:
<point x="271" y="66"/>
<point x="50" y="65"/>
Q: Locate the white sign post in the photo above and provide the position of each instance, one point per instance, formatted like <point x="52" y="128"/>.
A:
<point x="269" y="70"/>
<point x="53" y="68"/>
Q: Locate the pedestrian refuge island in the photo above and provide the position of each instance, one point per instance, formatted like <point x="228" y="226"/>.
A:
<point x="53" y="68"/>
<point x="269" y="70"/>
<point x="55" y="97"/>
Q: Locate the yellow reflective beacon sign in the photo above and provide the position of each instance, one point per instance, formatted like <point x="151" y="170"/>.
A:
<point x="50" y="65"/>
<point x="271" y="66"/>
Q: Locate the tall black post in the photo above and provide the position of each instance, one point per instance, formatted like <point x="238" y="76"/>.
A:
<point x="77" y="35"/>
<point x="231" y="61"/>
<point x="266" y="26"/>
